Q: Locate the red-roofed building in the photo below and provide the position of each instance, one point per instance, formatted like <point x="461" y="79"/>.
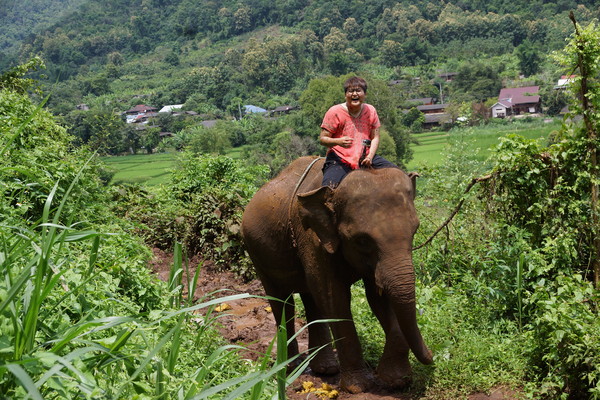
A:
<point x="517" y="101"/>
<point x="141" y="108"/>
<point x="565" y="81"/>
<point x="140" y="113"/>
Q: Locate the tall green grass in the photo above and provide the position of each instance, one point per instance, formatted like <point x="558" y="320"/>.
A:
<point x="158" y="354"/>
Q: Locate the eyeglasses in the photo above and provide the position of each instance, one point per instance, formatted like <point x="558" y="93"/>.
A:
<point x="354" y="90"/>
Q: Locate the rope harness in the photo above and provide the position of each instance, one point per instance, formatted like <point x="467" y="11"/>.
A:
<point x="306" y="171"/>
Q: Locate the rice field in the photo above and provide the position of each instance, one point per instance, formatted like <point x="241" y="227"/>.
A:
<point x="147" y="169"/>
<point x="431" y="145"/>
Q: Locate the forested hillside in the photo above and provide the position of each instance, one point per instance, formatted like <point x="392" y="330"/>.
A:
<point x="20" y="19"/>
<point x="213" y="57"/>
<point x="227" y="44"/>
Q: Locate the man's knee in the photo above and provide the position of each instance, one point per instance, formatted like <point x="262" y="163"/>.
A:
<point x="380" y="162"/>
<point x="333" y="173"/>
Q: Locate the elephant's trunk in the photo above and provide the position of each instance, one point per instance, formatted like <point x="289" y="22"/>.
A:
<point x="398" y="283"/>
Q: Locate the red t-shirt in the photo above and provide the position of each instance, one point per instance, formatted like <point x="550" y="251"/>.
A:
<point x="340" y="123"/>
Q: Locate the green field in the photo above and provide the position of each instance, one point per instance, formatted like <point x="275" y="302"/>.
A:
<point x="431" y="145"/>
<point x="153" y="169"/>
<point x="149" y="169"/>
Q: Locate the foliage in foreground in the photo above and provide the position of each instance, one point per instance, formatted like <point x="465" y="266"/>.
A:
<point x="524" y="250"/>
<point x="81" y="316"/>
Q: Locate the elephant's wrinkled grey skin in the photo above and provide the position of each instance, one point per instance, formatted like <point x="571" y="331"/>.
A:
<point x="319" y="241"/>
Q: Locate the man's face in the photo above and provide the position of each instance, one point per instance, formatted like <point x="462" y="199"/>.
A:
<point x="355" y="96"/>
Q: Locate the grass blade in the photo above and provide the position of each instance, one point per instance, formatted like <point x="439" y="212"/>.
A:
<point x="25" y="380"/>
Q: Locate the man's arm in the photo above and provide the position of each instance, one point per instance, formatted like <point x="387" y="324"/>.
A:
<point x="328" y="141"/>
<point x="373" y="149"/>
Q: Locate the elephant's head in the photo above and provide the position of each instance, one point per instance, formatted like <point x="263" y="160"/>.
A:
<point x="370" y="220"/>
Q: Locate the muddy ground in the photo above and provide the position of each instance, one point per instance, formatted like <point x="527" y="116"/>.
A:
<point x="248" y="322"/>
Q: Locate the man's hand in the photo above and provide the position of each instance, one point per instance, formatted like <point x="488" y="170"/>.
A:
<point x="367" y="162"/>
<point x="345" y="141"/>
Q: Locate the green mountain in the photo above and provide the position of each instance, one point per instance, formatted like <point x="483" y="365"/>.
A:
<point x="210" y="53"/>
<point x="20" y="19"/>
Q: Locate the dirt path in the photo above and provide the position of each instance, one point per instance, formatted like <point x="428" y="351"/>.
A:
<point x="249" y="322"/>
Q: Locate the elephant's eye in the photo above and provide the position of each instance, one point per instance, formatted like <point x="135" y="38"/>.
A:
<point x="363" y="242"/>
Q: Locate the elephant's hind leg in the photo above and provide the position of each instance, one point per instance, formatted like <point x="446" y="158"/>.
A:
<point x="282" y="306"/>
<point x="319" y="337"/>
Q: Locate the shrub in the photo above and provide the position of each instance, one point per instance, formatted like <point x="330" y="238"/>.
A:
<point x="564" y="333"/>
<point x="36" y="153"/>
<point x="201" y="206"/>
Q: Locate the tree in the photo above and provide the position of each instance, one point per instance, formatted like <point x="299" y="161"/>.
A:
<point x="529" y="58"/>
<point x="149" y="139"/>
<point x="242" y="20"/>
<point x="413" y="119"/>
<point x="392" y="53"/>
<point x="477" y="81"/>
<point x="316" y="99"/>
<point x="583" y="52"/>
<point x="213" y="140"/>
<point x="14" y="80"/>
<point x="415" y="51"/>
<point x="335" y="42"/>
<point x="287" y="147"/>
<point x="351" y="28"/>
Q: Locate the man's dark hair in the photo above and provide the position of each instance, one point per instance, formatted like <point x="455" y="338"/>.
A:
<point x="354" y="82"/>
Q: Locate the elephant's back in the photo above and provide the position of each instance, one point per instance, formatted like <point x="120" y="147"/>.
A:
<point x="268" y="211"/>
<point x="302" y="175"/>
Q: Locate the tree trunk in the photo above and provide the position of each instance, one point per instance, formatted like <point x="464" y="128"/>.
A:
<point x="592" y="135"/>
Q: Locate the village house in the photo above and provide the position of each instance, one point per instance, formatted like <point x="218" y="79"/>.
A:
<point x="432" y="108"/>
<point x="252" y="109"/>
<point x="435" y="115"/>
<point x="282" y="110"/>
<point x="448" y="76"/>
<point x="171" y="109"/>
<point x="140" y="113"/>
<point x="517" y="101"/>
<point x="564" y="81"/>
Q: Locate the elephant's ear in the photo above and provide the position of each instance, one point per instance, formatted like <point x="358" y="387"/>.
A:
<point x="413" y="178"/>
<point x="316" y="212"/>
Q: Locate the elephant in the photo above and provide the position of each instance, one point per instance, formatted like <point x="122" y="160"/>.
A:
<point x="317" y="241"/>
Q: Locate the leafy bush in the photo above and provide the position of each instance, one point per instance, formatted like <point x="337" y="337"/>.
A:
<point x="201" y="207"/>
<point x="36" y="153"/>
<point x="545" y="192"/>
<point x="564" y="333"/>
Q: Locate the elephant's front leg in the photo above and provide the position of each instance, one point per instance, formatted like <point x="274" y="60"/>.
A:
<point x="333" y="297"/>
<point x="394" y="369"/>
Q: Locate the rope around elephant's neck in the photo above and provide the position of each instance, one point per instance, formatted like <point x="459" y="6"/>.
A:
<point x="455" y="211"/>
<point x="306" y="171"/>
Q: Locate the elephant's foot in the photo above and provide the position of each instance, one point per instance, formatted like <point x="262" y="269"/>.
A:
<point x="357" y="381"/>
<point x="325" y="362"/>
<point x="396" y="374"/>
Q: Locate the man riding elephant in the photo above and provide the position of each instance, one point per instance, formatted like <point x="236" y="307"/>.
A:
<point x="351" y="132"/>
<point x="310" y="239"/>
